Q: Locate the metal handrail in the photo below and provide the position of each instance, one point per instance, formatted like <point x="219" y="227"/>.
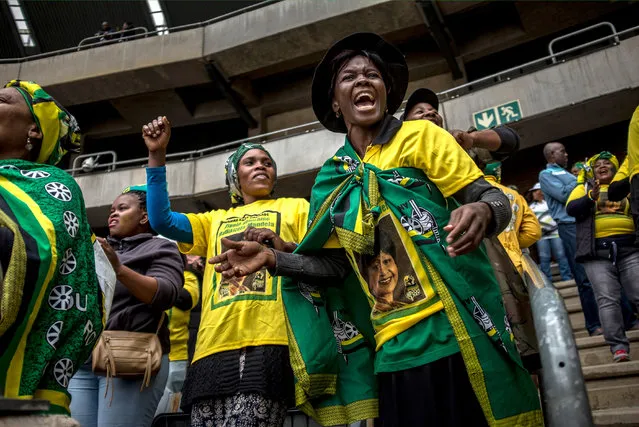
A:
<point x="316" y="124"/>
<point x="149" y="33"/>
<point x="145" y="32"/>
<point x="564" y="395"/>
<point x="110" y="166"/>
<point x="580" y="31"/>
<point x="535" y="62"/>
<point x="192" y="154"/>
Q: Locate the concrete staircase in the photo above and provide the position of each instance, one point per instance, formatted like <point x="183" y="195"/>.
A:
<point x="613" y="388"/>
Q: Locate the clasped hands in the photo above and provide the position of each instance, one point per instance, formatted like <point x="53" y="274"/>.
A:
<point x="466" y="228"/>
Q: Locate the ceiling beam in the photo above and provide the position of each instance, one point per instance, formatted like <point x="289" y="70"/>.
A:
<point x="440" y="34"/>
<point x="231" y="96"/>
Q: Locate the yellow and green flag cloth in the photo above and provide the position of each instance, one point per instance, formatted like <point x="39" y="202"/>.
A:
<point x="331" y="337"/>
<point x="51" y="304"/>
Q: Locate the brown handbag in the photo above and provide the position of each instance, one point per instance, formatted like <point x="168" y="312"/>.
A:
<point x="124" y="354"/>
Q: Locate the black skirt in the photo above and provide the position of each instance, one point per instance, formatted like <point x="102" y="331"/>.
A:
<point x="266" y="371"/>
<point x="438" y="394"/>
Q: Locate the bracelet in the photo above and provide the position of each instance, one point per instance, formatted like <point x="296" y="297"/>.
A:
<point x="590" y="196"/>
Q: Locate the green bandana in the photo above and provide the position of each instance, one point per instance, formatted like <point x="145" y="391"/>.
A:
<point x="493" y="169"/>
<point x="139" y="187"/>
<point x="232" y="165"/>
<point x="337" y="387"/>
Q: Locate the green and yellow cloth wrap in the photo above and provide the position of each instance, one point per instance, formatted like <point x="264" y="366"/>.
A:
<point x="51" y="304"/>
<point x="338" y="386"/>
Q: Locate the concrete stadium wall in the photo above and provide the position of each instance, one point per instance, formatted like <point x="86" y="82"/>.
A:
<point x="575" y="96"/>
<point x="263" y="40"/>
<point x="557" y="90"/>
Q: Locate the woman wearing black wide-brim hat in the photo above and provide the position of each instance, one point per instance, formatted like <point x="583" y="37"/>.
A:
<point x="444" y="356"/>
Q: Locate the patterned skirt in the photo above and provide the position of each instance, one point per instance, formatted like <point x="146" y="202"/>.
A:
<point x="239" y="410"/>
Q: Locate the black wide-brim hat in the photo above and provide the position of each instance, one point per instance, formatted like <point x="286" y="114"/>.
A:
<point x="371" y="42"/>
<point x="421" y="95"/>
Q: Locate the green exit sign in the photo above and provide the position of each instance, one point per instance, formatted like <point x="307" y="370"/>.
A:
<point x="499" y="115"/>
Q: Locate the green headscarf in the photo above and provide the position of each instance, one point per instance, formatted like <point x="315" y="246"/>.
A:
<point x="587" y="172"/>
<point x="231" y="167"/>
<point x="493" y="169"/>
<point x="139" y="187"/>
<point x="60" y="130"/>
<point x="579" y="165"/>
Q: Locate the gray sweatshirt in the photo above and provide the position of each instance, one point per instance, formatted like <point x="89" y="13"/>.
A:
<point x="153" y="257"/>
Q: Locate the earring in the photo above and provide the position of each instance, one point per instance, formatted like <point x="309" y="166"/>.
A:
<point x="29" y="145"/>
<point x="338" y="113"/>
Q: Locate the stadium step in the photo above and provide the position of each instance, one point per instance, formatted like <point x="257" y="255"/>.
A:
<point x="622" y="417"/>
<point x="613" y="388"/>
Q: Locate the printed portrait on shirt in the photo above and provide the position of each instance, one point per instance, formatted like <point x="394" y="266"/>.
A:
<point x="605" y="206"/>
<point x="389" y="272"/>
<point x="258" y="285"/>
<point x="255" y="282"/>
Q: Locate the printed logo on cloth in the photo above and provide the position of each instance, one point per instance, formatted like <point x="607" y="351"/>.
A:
<point x="486" y="323"/>
<point x="346" y="164"/>
<point x="515" y="209"/>
<point x="346" y="335"/>
<point x="407" y="182"/>
<point x="310" y="294"/>
<point x="419" y="221"/>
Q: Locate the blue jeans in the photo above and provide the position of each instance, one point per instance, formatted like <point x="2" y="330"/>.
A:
<point x="568" y="236"/>
<point x="172" y="396"/>
<point x="553" y="248"/>
<point x="608" y="281"/>
<point x="130" y="406"/>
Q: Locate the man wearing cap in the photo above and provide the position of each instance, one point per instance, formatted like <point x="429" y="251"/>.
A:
<point x="501" y="141"/>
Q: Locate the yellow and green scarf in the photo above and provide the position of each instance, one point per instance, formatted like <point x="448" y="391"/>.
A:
<point x="60" y="131"/>
<point x="330" y="333"/>
<point x="51" y="304"/>
<point x="586" y="172"/>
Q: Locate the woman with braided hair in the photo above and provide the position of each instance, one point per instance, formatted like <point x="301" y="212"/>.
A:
<point x="149" y="272"/>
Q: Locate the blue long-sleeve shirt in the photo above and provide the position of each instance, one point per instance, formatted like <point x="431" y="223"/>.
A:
<point x="169" y="224"/>
<point x="557" y="184"/>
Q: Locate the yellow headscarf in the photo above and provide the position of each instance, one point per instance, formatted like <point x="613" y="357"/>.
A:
<point x="60" y="131"/>
<point x="587" y="172"/>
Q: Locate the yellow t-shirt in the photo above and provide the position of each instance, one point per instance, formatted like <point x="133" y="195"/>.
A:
<point x="179" y="320"/>
<point x="248" y="311"/>
<point x="611" y="218"/>
<point x="622" y="172"/>
<point x="633" y="144"/>
<point x="523" y="229"/>
<point x="401" y="292"/>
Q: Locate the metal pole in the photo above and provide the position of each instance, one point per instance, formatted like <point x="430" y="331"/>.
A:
<point x="565" y="400"/>
<point x="574" y="33"/>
